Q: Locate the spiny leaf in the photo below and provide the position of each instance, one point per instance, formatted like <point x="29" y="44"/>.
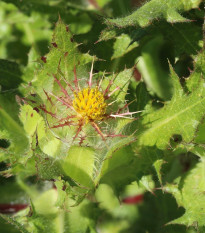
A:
<point x="35" y="127"/>
<point x="10" y="129"/>
<point x="184" y="37"/>
<point x="15" y="134"/>
<point x="122" y="46"/>
<point x="156" y="9"/>
<point x="63" y="56"/>
<point x="61" y="193"/>
<point x="180" y="116"/>
<point x="198" y="73"/>
<point x="158" y="165"/>
<point x="13" y="221"/>
<point x="147" y="183"/>
<point x="189" y="193"/>
<point x="200" y="135"/>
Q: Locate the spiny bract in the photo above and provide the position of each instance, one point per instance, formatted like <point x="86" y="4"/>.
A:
<point x="91" y="104"/>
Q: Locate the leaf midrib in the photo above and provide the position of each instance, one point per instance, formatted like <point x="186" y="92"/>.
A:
<point x="162" y="123"/>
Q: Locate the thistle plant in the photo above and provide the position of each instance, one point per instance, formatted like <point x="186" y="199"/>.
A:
<point x="78" y="110"/>
<point x="104" y="125"/>
<point x="86" y="105"/>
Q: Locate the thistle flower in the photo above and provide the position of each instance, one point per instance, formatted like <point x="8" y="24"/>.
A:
<point x="86" y="104"/>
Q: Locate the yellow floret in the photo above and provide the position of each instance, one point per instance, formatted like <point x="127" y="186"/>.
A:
<point x="90" y="104"/>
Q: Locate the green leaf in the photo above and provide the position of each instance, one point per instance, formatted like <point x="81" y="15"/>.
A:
<point x="122" y="175"/>
<point x="156" y="9"/>
<point x="110" y="203"/>
<point x="13" y="222"/>
<point x="79" y="165"/>
<point x="15" y="134"/>
<point x="142" y="96"/>
<point x="29" y="72"/>
<point x="32" y="121"/>
<point x="82" y="218"/>
<point x="120" y="81"/>
<point x="185" y="38"/>
<point x="61" y="58"/>
<point x="45" y="203"/>
<point x="47" y="168"/>
<point x="147" y="183"/>
<point x="10" y="75"/>
<point x="116" y="159"/>
<point x="107" y="34"/>
<point x="80" y="24"/>
<point x="123" y="45"/>
<point x="200" y="135"/>
<point x="180" y="116"/>
<point x="25" y="27"/>
<point x="61" y="193"/>
<point x="158" y="165"/>
<point x="107" y="199"/>
<point x="44" y="216"/>
<point x="11" y="192"/>
<point x="35" y="127"/>
<point x="150" y="66"/>
<point x="199" y="72"/>
<point x="189" y="193"/>
<point x="9" y="104"/>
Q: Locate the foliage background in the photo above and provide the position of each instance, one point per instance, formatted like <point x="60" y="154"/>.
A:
<point x="157" y="45"/>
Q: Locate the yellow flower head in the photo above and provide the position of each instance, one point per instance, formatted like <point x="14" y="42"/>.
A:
<point x="90" y="104"/>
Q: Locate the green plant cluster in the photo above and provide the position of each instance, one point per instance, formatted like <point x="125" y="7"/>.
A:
<point x="141" y="168"/>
